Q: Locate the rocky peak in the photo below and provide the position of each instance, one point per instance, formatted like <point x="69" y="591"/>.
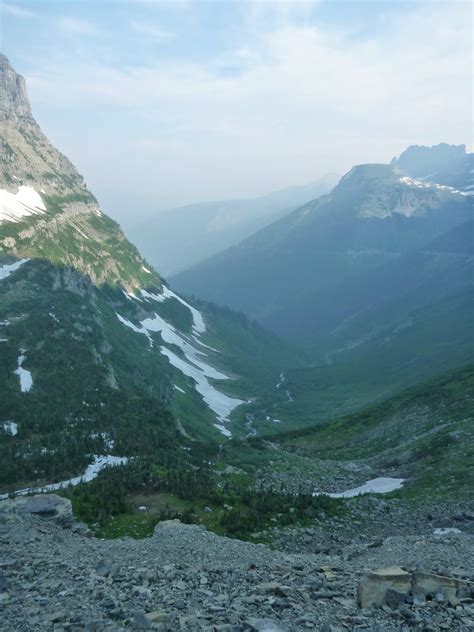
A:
<point x="46" y="210"/>
<point x="382" y="191"/>
<point x="362" y="176"/>
<point x="448" y="165"/>
<point x="26" y="156"/>
<point x="423" y="161"/>
<point x="14" y="104"/>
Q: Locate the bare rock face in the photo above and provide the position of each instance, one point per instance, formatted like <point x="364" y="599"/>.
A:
<point x="26" y="155"/>
<point x="14" y="104"/>
<point x="70" y="230"/>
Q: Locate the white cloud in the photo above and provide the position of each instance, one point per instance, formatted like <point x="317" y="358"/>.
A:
<point x="17" y="10"/>
<point x="153" y="31"/>
<point x="283" y="11"/>
<point x="288" y="105"/>
<point x="77" y="26"/>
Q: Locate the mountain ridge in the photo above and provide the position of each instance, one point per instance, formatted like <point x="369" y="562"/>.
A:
<point x="205" y="228"/>
<point x="351" y="268"/>
<point x="99" y="357"/>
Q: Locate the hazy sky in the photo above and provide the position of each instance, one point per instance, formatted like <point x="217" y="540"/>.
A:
<point x="165" y="103"/>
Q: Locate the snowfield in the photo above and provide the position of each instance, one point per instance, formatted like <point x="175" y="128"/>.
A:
<point x="199" y="325"/>
<point x="375" y="486"/>
<point x="16" y="206"/>
<point x="193" y="364"/>
<point x="91" y="472"/>
<point x="222" y="405"/>
<point x="7" y="269"/>
<point x="419" y="184"/>
<point x="26" y="381"/>
<point x="138" y="330"/>
<point x="446" y="531"/>
<point x="10" y="427"/>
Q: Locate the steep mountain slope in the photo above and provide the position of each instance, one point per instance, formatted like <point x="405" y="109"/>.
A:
<point x="373" y="216"/>
<point x="97" y="355"/>
<point x="46" y="210"/>
<point x="210" y="227"/>
<point x="352" y="276"/>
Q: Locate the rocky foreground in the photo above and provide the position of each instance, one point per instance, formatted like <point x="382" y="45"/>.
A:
<point x="54" y="576"/>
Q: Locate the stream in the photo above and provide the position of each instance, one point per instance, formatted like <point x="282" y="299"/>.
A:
<point x="280" y="383"/>
<point x="251" y="431"/>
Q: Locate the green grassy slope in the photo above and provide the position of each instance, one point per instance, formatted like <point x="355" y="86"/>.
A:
<point x="426" y="433"/>
<point x="422" y="343"/>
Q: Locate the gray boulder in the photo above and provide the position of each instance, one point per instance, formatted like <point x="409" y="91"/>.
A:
<point x="48" y="506"/>
<point x="373" y="587"/>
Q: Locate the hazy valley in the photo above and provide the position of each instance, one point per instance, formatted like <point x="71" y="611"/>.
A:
<point x="277" y="437"/>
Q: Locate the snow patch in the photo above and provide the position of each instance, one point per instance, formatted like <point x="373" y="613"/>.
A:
<point x="221" y="404"/>
<point x="26" y="381"/>
<point x="10" y="427"/>
<point x="225" y="431"/>
<point x="446" y="531"/>
<point x="151" y="296"/>
<point x="16" y="206"/>
<point x="192" y="365"/>
<point x="282" y="379"/>
<point x="91" y="472"/>
<point x="171" y="336"/>
<point x="138" y="330"/>
<point x="199" y="325"/>
<point x="7" y="269"/>
<point x="108" y="441"/>
<point x="181" y="390"/>
<point x="374" y="486"/>
<point x="131" y="297"/>
<point x="146" y="270"/>
<point x="428" y="185"/>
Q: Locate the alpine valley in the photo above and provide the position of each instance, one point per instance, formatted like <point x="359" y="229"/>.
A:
<point x="374" y="280"/>
<point x="218" y="448"/>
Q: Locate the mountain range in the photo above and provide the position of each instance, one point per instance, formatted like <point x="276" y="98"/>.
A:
<point x="360" y="293"/>
<point x="374" y="280"/>
<point x="206" y="228"/>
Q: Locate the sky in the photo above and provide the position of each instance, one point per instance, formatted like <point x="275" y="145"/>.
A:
<point x="161" y="104"/>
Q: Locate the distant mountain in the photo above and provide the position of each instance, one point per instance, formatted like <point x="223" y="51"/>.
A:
<point x="355" y="272"/>
<point x="443" y="163"/>
<point x="97" y="355"/>
<point x="205" y="229"/>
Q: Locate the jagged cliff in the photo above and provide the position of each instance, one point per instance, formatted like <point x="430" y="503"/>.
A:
<point x="47" y="211"/>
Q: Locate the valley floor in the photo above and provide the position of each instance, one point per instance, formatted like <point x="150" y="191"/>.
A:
<point x="54" y="576"/>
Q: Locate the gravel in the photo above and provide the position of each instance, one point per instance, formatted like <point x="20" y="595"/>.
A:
<point x="54" y="576"/>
